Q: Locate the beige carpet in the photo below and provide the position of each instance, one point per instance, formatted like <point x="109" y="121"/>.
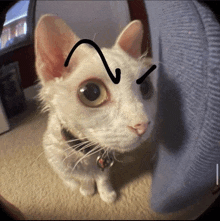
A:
<point x="27" y="181"/>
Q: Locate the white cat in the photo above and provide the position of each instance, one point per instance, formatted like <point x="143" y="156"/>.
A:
<point x="90" y="117"/>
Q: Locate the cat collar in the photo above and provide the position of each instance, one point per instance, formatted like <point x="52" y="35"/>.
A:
<point x="103" y="161"/>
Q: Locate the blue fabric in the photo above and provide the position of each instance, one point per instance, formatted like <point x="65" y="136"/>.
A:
<point x="186" y="47"/>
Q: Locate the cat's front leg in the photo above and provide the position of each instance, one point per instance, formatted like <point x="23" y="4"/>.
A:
<point x="70" y="182"/>
<point x="105" y="189"/>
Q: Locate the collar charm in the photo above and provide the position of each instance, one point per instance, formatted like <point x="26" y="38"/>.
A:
<point x="103" y="161"/>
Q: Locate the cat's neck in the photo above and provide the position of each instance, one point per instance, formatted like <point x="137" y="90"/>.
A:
<point x="103" y="160"/>
<point x="72" y="141"/>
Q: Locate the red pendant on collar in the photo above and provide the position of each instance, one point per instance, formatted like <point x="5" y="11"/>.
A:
<point x="104" y="162"/>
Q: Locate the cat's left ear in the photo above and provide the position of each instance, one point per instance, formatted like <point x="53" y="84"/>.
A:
<point x="130" y="39"/>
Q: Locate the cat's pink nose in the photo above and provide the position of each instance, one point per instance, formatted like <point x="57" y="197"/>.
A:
<point x="139" y="129"/>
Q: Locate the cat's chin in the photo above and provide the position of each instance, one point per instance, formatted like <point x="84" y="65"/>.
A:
<point x="125" y="150"/>
<point x="129" y="148"/>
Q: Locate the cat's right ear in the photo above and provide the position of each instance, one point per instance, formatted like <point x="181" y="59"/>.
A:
<point x="130" y="39"/>
<point x="54" y="40"/>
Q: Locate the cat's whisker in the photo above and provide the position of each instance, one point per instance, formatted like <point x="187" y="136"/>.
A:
<point x="72" y="151"/>
<point x="105" y="151"/>
<point x="77" y="145"/>
<point x="70" y="147"/>
<point x="144" y="55"/>
<point x="109" y="150"/>
<point x="86" y="146"/>
<point x="117" y="159"/>
<point x="76" y="139"/>
<point x="76" y="151"/>
<point x="94" y="36"/>
<point x="86" y="155"/>
<point x="82" y="143"/>
<point x="142" y="60"/>
<point x="112" y="152"/>
<point x="70" y="154"/>
<point x="37" y="158"/>
<point x="52" y="143"/>
<point x="81" y="149"/>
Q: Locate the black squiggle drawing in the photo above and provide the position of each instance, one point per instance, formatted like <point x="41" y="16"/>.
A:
<point x="116" y="79"/>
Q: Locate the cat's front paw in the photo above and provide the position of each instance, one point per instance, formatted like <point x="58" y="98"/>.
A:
<point x="106" y="191"/>
<point x="87" y="188"/>
<point x="108" y="197"/>
<point x="87" y="191"/>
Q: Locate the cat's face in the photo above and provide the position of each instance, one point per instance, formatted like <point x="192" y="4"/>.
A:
<point x="82" y="95"/>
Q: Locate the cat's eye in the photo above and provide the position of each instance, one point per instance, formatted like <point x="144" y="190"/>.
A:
<point x="146" y="89"/>
<point x="92" y="93"/>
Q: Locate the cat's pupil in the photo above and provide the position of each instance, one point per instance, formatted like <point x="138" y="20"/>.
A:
<point x="91" y="91"/>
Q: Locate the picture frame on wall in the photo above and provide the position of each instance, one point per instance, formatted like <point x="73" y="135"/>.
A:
<point x="4" y="124"/>
<point x="11" y="92"/>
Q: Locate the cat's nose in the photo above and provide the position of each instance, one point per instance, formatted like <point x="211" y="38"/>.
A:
<point x="140" y="128"/>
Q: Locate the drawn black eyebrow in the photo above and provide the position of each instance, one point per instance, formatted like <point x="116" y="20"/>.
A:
<point x="141" y="79"/>
<point x="116" y="79"/>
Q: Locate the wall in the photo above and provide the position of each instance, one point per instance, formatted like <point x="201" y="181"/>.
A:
<point x="104" y="18"/>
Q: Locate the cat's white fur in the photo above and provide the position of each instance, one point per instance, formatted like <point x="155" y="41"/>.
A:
<point x="109" y="126"/>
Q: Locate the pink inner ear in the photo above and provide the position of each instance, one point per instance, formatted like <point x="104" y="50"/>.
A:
<point x="52" y="66"/>
<point x="54" y="40"/>
<point x="131" y="39"/>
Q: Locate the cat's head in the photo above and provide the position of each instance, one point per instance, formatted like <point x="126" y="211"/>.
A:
<point x="82" y="95"/>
